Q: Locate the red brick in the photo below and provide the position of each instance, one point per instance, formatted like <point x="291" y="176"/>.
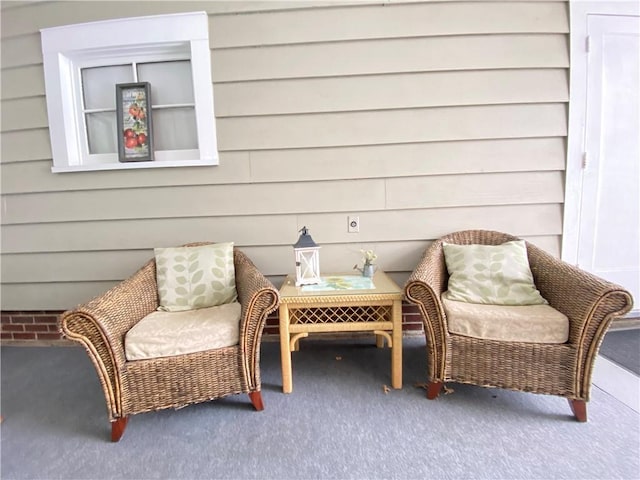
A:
<point x="46" y="319"/>
<point x="24" y="336"/>
<point x="13" y="328"/>
<point x="49" y="336"/>
<point x="6" y="318"/>
<point x="412" y="326"/>
<point x="53" y="328"/>
<point x="36" y="328"/>
<point x="21" y="318"/>
<point x="6" y="336"/>
<point x="408" y="308"/>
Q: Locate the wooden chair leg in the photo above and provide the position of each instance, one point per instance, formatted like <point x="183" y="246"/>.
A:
<point x="117" y="428"/>
<point x="256" y="400"/>
<point x="433" y="389"/>
<point x="579" y="409"/>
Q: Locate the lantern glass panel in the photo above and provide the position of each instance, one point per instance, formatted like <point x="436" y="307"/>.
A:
<point x="307" y="266"/>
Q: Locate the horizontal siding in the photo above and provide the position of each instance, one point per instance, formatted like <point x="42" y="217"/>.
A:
<point x="24" y="113"/>
<point x="21" y="20"/>
<point x="144" y="233"/>
<point x="482" y="189"/>
<point x="422" y="118"/>
<point x="61" y="295"/>
<point x="266" y="166"/>
<point x="22" y="51"/>
<point x="22" y="82"/>
<point x="470" y="52"/>
<point x="352" y="94"/>
<point x="35" y="176"/>
<point x="32" y="144"/>
<point x="430" y="89"/>
<point x="398" y="21"/>
<point x="50" y="296"/>
<point x="273" y="260"/>
<point x="392" y="126"/>
<point x="357" y="57"/>
<point x="280" y="230"/>
<point x="191" y="201"/>
<point x="287" y="198"/>
<point x="407" y="90"/>
<point x="433" y="158"/>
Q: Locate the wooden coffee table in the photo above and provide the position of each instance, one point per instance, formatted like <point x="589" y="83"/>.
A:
<point x="305" y="310"/>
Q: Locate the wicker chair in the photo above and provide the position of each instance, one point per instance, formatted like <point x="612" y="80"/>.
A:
<point x="565" y="370"/>
<point x="132" y="387"/>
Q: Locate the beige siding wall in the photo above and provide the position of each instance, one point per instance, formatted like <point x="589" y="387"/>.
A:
<point x="423" y="118"/>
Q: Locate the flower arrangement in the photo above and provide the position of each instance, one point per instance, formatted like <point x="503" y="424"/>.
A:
<point x="368" y="257"/>
<point x="368" y="269"/>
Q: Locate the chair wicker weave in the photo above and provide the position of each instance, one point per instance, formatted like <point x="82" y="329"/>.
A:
<point x="565" y="370"/>
<point x="132" y="387"/>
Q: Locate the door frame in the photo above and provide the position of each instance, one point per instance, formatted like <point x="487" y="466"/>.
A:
<point x="579" y="12"/>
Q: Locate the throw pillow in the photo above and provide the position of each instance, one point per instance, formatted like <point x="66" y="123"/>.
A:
<point x="491" y="274"/>
<point x="195" y="277"/>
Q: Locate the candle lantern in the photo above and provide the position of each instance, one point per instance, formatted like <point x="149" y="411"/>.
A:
<point x="307" y="259"/>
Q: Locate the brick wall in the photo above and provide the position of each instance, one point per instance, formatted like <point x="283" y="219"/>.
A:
<point x="36" y="326"/>
<point x="42" y="327"/>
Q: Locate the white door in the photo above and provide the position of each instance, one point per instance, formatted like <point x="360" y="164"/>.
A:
<point x="609" y="225"/>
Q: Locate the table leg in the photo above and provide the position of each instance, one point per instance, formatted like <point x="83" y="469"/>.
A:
<point x="285" y="349"/>
<point x="396" y="348"/>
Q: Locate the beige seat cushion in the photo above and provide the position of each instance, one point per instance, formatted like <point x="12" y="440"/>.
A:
<point x="165" y="334"/>
<point x="527" y="323"/>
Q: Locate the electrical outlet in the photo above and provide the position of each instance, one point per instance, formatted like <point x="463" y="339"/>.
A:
<point x="353" y="225"/>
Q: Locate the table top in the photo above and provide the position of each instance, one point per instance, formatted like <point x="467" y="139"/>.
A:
<point x="383" y="285"/>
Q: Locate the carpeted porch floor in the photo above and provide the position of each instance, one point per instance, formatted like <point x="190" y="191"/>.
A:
<point x="337" y="423"/>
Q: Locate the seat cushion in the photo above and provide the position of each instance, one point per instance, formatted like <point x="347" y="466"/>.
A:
<point x="195" y="277"/>
<point x="526" y="323"/>
<point x="491" y="274"/>
<point x="165" y="334"/>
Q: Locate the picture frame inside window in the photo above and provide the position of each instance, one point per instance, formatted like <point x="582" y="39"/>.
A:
<point x="135" y="127"/>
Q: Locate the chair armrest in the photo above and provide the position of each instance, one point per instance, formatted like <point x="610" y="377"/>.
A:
<point x="425" y="285"/>
<point x="589" y="302"/>
<point x="101" y="325"/>
<point x="258" y="298"/>
<point x="586" y="299"/>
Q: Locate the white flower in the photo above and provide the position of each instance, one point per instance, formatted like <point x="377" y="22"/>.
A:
<point x="368" y="256"/>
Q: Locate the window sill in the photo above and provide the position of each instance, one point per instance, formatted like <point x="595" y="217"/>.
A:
<point x="134" y="165"/>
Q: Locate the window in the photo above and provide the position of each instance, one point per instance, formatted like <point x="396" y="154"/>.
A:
<point x="171" y="52"/>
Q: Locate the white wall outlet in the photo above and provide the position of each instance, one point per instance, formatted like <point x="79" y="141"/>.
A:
<point x="354" y="224"/>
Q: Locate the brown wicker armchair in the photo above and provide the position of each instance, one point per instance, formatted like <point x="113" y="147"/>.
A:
<point x="132" y="387"/>
<point x="565" y="369"/>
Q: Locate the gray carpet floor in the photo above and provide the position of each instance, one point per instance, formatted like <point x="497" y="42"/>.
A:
<point x="337" y="423"/>
<point x="623" y="348"/>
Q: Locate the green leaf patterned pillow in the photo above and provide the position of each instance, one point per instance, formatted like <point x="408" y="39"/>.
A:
<point x="195" y="277"/>
<point x="491" y="274"/>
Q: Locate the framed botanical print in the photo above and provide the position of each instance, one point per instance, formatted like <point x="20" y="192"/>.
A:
<point x="135" y="132"/>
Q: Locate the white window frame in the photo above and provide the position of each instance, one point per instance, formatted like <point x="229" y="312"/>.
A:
<point x="69" y="48"/>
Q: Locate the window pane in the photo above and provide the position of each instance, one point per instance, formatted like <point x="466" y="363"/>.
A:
<point x="99" y="84"/>
<point x="101" y="132"/>
<point x="174" y="129"/>
<point x="171" y="82"/>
